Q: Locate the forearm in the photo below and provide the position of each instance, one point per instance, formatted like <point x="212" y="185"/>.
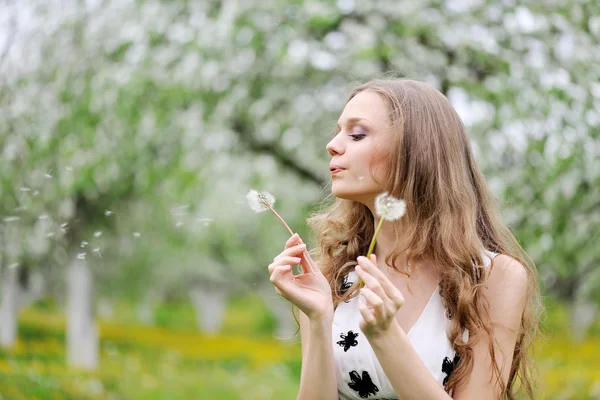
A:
<point x="403" y="367"/>
<point x="318" y="379"/>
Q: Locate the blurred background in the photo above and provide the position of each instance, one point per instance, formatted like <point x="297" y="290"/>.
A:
<point x="131" y="266"/>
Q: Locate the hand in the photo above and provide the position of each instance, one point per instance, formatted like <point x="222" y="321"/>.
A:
<point x="309" y="291"/>
<point x="383" y="299"/>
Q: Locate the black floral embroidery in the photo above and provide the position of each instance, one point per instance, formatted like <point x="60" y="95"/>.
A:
<point x="345" y="286"/>
<point x="363" y="386"/>
<point x="348" y="341"/>
<point x="448" y="366"/>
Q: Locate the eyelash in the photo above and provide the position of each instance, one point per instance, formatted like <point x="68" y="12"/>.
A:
<point x="357" y="137"/>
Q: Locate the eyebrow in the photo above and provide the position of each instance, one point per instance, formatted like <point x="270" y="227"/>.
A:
<point x="349" y="121"/>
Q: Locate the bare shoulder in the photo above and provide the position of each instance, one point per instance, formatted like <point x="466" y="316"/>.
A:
<point x="506" y="290"/>
<point x="507" y="272"/>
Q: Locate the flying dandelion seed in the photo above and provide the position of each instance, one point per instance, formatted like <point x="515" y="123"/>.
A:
<point x="178" y="224"/>
<point x="108" y="212"/>
<point x="136" y="234"/>
<point x="180" y="210"/>
<point x="11" y="218"/>
<point x="204" y="221"/>
<point x="47" y="175"/>
<point x="20" y="208"/>
<point x="97" y="234"/>
<point x="63" y="227"/>
<point x="81" y="256"/>
<point x="50" y="234"/>
<point x="97" y="250"/>
<point x="69" y="168"/>
<point x="35" y="193"/>
<point x="84" y="243"/>
<point x="43" y="216"/>
<point x="13" y="265"/>
<point x="25" y="189"/>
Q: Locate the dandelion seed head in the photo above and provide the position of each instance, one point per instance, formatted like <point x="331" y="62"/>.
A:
<point x="260" y="201"/>
<point x="389" y="207"/>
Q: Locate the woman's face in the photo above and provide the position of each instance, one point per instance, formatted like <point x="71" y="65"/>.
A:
<point x="363" y="133"/>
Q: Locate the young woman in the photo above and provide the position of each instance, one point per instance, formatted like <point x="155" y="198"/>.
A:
<point x="450" y="304"/>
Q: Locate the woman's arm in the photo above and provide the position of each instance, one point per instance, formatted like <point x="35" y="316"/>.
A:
<point x="505" y="291"/>
<point x="318" y="379"/>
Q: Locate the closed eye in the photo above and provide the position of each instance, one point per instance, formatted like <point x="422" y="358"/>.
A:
<point x="357" y="136"/>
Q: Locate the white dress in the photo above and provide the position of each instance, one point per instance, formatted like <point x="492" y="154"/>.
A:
<point x="358" y="372"/>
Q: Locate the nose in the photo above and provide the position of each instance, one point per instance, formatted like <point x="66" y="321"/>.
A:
<point x="334" y="147"/>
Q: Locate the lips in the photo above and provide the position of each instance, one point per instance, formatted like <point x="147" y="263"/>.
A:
<point x="334" y="169"/>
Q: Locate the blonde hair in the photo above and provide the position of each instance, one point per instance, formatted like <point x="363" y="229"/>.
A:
<point x="450" y="218"/>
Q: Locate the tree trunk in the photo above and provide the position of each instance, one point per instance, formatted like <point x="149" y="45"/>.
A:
<point x="282" y="310"/>
<point x="210" y="305"/>
<point x="82" y="333"/>
<point x="9" y="307"/>
<point x="33" y="291"/>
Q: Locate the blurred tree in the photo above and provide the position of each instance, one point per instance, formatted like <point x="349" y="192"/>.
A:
<point x="148" y="121"/>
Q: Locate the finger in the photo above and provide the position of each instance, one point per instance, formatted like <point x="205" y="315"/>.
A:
<point x="299" y="250"/>
<point x="370" y="281"/>
<point x="281" y="281"/>
<point x="284" y="261"/>
<point x="366" y="313"/>
<point x="293" y="240"/>
<point x="278" y="273"/>
<point x="295" y="250"/>
<point x="376" y="302"/>
<point x="390" y="290"/>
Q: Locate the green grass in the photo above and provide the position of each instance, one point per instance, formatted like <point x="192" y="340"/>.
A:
<point x="173" y="361"/>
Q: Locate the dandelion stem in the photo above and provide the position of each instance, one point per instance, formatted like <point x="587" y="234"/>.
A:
<point x="305" y="253"/>
<point x="372" y="245"/>
<point x="278" y="216"/>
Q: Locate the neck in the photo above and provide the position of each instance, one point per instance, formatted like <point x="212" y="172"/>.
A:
<point x="386" y="243"/>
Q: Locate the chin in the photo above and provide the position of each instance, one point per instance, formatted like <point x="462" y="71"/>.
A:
<point x="344" y="193"/>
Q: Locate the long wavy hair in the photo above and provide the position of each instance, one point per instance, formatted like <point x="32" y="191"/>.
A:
<point x="451" y="217"/>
